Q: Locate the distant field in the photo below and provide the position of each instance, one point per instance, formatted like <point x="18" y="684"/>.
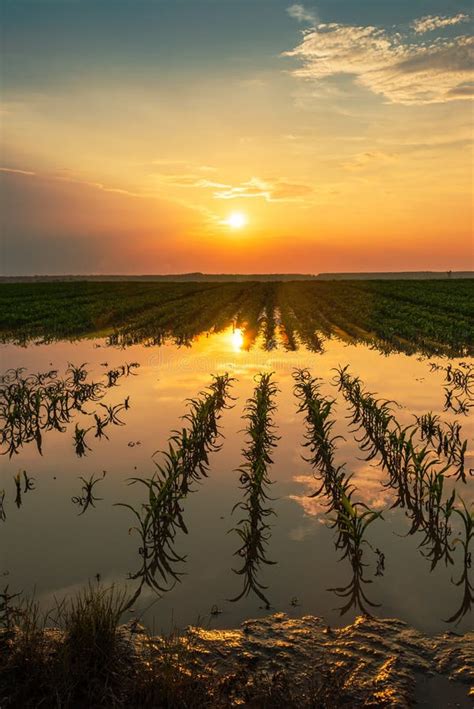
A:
<point x="429" y="316"/>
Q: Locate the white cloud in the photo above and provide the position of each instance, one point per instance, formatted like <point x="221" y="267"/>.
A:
<point x="388" y="63"/>
<point x="433" y="22"/>
<point x="301" y="14"/>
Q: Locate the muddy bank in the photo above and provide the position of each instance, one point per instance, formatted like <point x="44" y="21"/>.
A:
<point x="269" y="663"/>
<point x="387" y="660"/>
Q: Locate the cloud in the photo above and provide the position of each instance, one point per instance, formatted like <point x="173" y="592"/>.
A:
<point x="14" y="171"/>
<point x="368" y="159"/>
<point x="388" y="63"/>
<point x="369" y="486"/>
<point x="432" y="22"/>
<point x="270" y="190"/>
<point x="301" y="14"/>
<point x="53" y="224"/>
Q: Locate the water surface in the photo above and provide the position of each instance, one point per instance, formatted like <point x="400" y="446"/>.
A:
<point x="49" y="549"/>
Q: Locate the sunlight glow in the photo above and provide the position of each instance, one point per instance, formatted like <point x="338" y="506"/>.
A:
<point x="237" y="220"/>
<point x="237" y="339"/>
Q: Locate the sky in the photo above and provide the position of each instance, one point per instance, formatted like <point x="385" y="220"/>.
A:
<point x="235" y="136"/>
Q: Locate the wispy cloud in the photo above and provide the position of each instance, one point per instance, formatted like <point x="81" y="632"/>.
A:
<point x="269" y="190"/>
<point x="14" y="171"/>
<point x="389" y="63"/>
<point x="434" y="22"/>
<point x="301" y="14"/>
<point x="373" y="158"/>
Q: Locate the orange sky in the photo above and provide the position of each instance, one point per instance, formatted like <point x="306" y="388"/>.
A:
<point x="345" y="146"/>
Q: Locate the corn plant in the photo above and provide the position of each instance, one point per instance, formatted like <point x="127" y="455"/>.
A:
<point x="3" y="514"/>
<point x="36" y="403"/>
<point x="467" y="518"/>
<point x="446" y="440"/>
<point x="183" y="465"/>
<point x="415" y="473"/>
<point x="350" y="519"/>
<point x="253" y="528"/>
<point x="86" y="498"/>
<point x="23" y="484"/>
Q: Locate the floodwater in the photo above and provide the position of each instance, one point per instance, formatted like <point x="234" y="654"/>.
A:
<point x="48" y="549"/>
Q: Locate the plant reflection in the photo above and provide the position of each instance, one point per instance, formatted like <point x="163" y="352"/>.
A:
<point x="32" y="404"/>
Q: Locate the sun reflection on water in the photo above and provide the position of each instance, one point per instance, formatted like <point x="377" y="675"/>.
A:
<point x="237" y="339"/>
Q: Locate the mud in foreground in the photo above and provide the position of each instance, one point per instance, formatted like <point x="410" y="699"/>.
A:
<point x="271" y="662"/>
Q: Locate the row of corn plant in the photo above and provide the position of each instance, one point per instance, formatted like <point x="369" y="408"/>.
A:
<point x="182" y="466"/>
<point x="446" y="441"/>
<point x="458" y="386"/>
<point x="350" y="519"/>
<point x="415" y="472"/>
<point x="431" y="317"/>
<point x="467" y="600"/>
<point x="253" y="528"/>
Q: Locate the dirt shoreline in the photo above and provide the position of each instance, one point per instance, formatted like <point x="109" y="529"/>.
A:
<point x="400" y="666"/>
<point x="266" y="663"/>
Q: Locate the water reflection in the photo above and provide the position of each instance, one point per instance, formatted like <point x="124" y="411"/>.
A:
<point x="24" y="483"/>
<point x="64" y="552"/>
<point x="237" y="339"/>
<point x="31" y="404"/>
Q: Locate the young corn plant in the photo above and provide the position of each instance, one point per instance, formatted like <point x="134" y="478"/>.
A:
<point x="182" y="467"/>
<point x="87" y="498"/>
<point x="467" y="519"/>
<point x="253" y="528"/>
<point x="415" y="473"/>
<point x="36" y="403"/>
<point x="350" y="519"/>
<point x="446" y="441"/>
<point x="23" y="484"/>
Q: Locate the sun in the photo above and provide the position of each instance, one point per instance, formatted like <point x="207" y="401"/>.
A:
<point x="237" y="220"/>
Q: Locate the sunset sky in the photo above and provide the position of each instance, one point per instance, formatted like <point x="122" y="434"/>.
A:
<point x="166" y="136"/>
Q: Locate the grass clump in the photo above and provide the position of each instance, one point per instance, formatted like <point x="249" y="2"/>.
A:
<point x="88" y="659"/>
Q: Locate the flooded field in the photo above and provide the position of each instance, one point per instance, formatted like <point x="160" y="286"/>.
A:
<point x="66" y="474"/>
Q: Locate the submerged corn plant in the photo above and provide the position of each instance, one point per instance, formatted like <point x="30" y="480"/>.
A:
<point x="3" y="514"/>
<point x="32" y="404"/>
<point x="446" y="440"/>
<point x="86" y="498"/>
<point x="181" y="468"/>
<point x="415" y="473"/>
<point x="350" y="519"/>
<point x="23" y="484"/>
<point x="464" y="540"/>
<point x="125" y="370"/>
<point x="458" y="387"/>
<point x="253" y="528"/>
